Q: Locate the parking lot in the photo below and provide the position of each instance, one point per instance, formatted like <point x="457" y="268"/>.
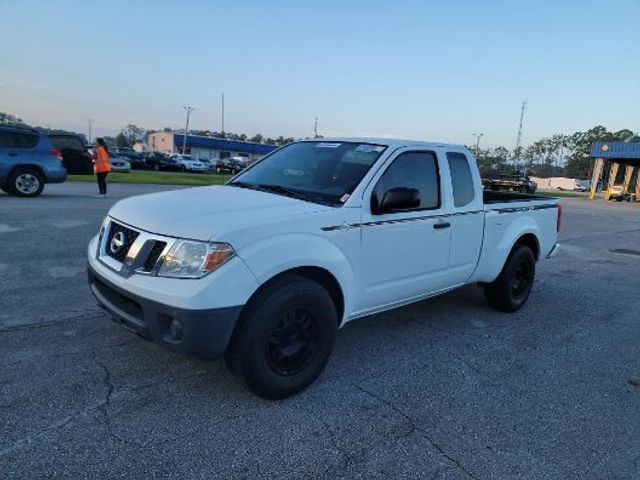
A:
<point x="446" y="388"/>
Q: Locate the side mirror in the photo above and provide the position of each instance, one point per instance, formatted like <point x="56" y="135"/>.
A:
<point x="398" y="199"/>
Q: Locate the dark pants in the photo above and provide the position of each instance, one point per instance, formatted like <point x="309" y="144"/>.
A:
<point x="102" y="182"/>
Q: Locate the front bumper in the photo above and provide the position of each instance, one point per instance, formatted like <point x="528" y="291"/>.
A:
<point x="202" y="333"/>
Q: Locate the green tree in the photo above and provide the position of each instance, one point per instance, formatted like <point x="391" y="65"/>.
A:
<point x="7" y="118"/>
<point x="133" y="133"/>
<point x="257" y="138"/>
<point x="122" y="141"/>
<point x="579" y="164"/>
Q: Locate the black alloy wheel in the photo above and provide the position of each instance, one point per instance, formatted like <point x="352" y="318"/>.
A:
<point x="293" y="342"/>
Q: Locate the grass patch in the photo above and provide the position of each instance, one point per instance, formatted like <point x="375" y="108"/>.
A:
<point x="560" y="193"/>
<point x="159" y="178"/>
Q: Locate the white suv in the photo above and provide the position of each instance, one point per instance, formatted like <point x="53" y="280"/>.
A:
<point x="188" y="163"/>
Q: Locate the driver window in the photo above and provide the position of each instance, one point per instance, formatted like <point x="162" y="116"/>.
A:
<point x="417" y="170"/>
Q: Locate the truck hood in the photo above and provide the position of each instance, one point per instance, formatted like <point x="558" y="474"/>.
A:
<point x="206" y="213"/>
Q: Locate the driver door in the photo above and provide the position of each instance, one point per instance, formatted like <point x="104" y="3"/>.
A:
<point x="405" y="252"/>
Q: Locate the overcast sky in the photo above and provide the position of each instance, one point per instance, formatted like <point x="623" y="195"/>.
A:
<point x="425" y="70"/>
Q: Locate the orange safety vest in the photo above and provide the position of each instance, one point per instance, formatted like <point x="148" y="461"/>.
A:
<point x="101" y="163"/>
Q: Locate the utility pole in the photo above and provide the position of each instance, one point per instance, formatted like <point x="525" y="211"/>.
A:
<point x="478" y="137"/>
<point x="90" y="121"/>
<point x="315" y="128"/>
<point x="186" y="128"/>
<point x="519" y="139"/>
<point x="223" y="135"/>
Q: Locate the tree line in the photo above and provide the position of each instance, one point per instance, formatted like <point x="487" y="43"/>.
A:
<point x="557" y="155"/>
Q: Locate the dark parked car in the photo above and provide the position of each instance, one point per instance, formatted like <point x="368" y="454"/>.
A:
<point x="229" y="165"/>
<point x="166" y="163"/>
<point x="28" y="160"/>
<point x="136" y="159"/>
<point x="75" y="156"/>
<point x="519" y="183"/>
<point x="155" y="160"/>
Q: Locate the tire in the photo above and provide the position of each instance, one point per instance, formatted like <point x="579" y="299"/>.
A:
<point x="524" y="189"/>
<point x="25" y="182"/>
<point x="156" y="168"/>
<point x="292" y="312"/>
<point x="510" y="291"/>
<point x="183" y="168"/>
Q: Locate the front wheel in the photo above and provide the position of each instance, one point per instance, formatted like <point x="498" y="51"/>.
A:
<point x="511" y="289"/>
<point x="284" y="337"/>
<point x="25" y="182"/>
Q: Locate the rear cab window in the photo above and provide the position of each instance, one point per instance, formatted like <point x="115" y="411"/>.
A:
<point x="461" y="179"/>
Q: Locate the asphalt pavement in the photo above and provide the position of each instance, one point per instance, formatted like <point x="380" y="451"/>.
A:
<point x="446" y="388"/>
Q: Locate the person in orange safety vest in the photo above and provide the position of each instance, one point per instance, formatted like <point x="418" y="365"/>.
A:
<point x="101" y="165"/>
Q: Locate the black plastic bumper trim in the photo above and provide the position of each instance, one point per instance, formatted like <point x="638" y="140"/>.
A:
<point x="203" y="333"/>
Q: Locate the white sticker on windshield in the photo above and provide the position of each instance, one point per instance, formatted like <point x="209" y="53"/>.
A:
<point x="365" y="147"/>
<point x="327" y="145"/>
<point x="344" y="198"/>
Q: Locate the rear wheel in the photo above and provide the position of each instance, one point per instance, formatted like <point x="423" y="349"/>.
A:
<point x="511" y="289"/>
<point x="284" y="337"/>
<point x="25" y="182"/>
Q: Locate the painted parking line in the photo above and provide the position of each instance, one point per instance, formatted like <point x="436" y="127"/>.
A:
<point x="4" y="228"/>
<point x="65" y="271"/>
<point x="69" y="223"/>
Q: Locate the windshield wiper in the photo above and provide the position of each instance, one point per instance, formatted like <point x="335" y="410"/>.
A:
<point x="279" y="189"/>
<point x="238" y="184"/>
<point x="299" y="194"/>
<point x="290" y="192"/>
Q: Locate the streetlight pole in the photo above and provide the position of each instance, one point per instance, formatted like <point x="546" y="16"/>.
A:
<point x="186" y="128"/>
<point x="478" y="137"/>
<point x="223" y="135"/>
<point x="90" y="121"/>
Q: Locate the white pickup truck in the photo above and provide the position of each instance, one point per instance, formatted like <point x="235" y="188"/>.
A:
<point x="266" y="268"/>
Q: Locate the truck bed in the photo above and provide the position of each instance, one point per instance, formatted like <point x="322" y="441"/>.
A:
<point x="491" y="196"/>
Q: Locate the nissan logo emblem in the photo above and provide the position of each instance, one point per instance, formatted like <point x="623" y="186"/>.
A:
<point x="117" y="242"/>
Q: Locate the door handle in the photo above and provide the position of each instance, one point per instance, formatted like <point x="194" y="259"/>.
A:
<point x="441" y="225"/>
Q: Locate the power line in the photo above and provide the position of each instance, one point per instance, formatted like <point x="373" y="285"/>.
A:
<point x="478" y="137"/>
<point x="90" y="121"/>
<point x="186" y="128"/>
<point x="518" y="140"/>
<point x="223" y="114"/>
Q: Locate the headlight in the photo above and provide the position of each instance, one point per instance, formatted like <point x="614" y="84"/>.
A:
<point x="189" y="259"/>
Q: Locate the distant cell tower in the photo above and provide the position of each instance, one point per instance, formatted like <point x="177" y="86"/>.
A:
<point x="518" y="141"/>
<point x="315" y="128"/>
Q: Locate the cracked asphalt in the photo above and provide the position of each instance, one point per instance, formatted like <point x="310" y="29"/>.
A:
<point x="446" y="388"/>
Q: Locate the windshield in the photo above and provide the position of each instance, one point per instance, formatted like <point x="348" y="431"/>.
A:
<point x="322" y="172"/>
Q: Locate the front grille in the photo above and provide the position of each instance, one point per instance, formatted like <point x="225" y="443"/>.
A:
<point x="154" y="255"/>
<point x="129" y="236"/>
